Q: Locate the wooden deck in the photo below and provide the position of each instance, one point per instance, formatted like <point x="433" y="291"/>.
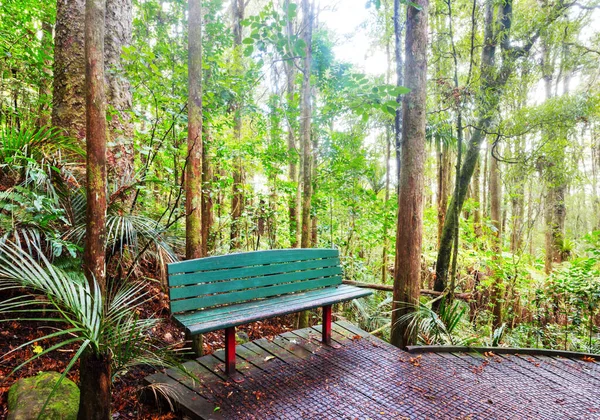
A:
<point x="295" y="377"/>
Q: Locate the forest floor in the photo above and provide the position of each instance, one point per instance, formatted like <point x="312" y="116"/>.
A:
<point x="127" y="388"/>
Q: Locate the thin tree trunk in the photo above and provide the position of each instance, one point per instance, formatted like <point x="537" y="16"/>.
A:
<point x="293" y="155"/>
<point x="95" y="385"/>
<point x="95" y="98"/>
<point x="496" y="295"/>
<point x="306" y="126"/>
<point x="306" y="138"/>
<point x="407" y="272"/>
<point x="443" y="184"/>
<point x="237" y="201"/>
<point x="398" y="26"/>
<point x="193" y="174"/>
<point x="207" y="191"/>
<point x="45" y="89"/>
<point x="477" y="198"/>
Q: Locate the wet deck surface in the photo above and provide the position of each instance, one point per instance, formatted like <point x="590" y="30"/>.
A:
<point x="295" y="377"/>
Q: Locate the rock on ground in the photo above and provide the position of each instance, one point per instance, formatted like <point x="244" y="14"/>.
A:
<point x="27" y="396"/>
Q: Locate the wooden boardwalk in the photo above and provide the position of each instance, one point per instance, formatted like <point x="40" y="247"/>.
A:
<point x="295" y="377"/>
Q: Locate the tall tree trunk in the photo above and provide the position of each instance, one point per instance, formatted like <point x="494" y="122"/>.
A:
<point x="443" y="184"/>
<point x="95" y="396"/>
<point x="477" y="198"/>
<point x="398" y="26"/>
<point x="237" y="201"/>
<point x="45" y="89"/>
<point x="495" y="201"/>
<point x="207" y="191"/>
<point x="306" y="130"/>
<point x="68" y="103"/>
<point x="193" y="175"/>
<point x="293" y="155"/>
<point x="119" y="21"/>
<point x="407" y="272"/>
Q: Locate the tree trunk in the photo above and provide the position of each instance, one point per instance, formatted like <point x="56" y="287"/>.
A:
<point x="95" y="98"/>
<point x="119" y="16"/>
<point x="95" y="385"/>
<point x="398" y="26"/>
<point x="477" y="198"/>
<point x="306" y="128"/>
<point x="68" y="103"/>
<point x="496" y="295"/>
<point x="407" y="272"/>
<point x="293" y="155"/>
<point x="237" y="201"/>
<point x="443" y="184"/>
<point x="45" y="89"/>
<point x="193" y="175"/>
<point x="207" y="191"/>
<point x="306" y="138"/>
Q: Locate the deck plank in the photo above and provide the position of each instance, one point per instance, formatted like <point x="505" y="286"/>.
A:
<point x="190" y="403"/>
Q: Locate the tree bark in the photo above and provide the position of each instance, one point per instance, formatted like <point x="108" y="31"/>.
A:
<point x="398" y="26"/>
<point x="477" y="199"/>
<point x="45" y="89"/>
<point x="193" y="175"/>
<point x="496" y="295"/>
<point x="306" y="138"/>
<point x="95" y="395"/>
<point x="95" y="98"/>
<point x="119" y="20"/>
<point x="237" y="201"/>
<point x="293" y="155"/>
<point x="68" y="103"/>
<point x="207" y="191"/>
<point x="94" y="387"/>
<point x="443" y="184"/>
<point x="306" y="125"/>
<point x="407" y="272"/>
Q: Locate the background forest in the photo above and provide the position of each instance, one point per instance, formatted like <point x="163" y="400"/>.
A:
<point x="301" y="147"/>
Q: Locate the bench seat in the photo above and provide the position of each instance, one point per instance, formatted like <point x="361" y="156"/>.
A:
<point x="212" y="319"/>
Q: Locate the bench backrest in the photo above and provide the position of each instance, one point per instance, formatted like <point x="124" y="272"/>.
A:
<point x="236" y="278"/>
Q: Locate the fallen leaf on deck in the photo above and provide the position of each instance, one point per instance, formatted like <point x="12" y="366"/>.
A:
<point x="269" y="358"/>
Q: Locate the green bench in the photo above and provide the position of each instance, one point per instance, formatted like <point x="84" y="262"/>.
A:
<point x="222" y="292"/>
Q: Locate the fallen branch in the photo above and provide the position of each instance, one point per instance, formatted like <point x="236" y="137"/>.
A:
<point x="389" y="288"/>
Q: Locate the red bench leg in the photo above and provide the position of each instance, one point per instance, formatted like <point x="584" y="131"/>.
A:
<point x="230" y="350"/>
<point x="326" y="324"/>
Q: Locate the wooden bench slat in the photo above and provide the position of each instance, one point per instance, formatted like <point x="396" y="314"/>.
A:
<point x="177" y="280"/>
<point x="262" y="292"/>
<point x="233" y="310"/>
<point x="246" y="259"/>
<point x="265" y="313"/>
<point x="249" y="283"/>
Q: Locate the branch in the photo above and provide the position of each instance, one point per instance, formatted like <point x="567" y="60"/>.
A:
<point x="389" y="288"/>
